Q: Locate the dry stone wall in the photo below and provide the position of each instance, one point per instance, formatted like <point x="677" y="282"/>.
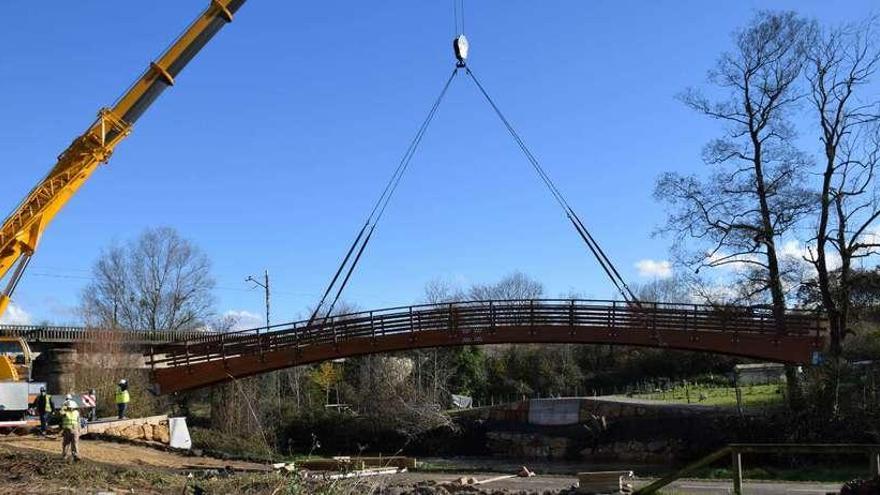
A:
<point x="151" y="429"/>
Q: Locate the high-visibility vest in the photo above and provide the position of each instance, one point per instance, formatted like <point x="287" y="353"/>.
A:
<point x="44" y="401"/>
<point x="122" y="397"/>
<point x="69" y="419"/>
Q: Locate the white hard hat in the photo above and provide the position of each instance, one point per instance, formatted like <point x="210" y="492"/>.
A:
<point x="68" y="397"/>
<point x="71" y="405"/>
<point x="123" y="381"/>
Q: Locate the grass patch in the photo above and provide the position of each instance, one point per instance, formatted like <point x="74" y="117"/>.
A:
<point x="752" y="395"/>
<point x="833" y="474"/>
<point x="228" y="446"/>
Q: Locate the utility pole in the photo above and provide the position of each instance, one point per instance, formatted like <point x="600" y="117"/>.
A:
<point x="265" y="285"/>
<point x="271" y="381"/>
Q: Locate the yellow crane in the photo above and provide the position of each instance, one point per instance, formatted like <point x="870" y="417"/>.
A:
<point x="21" y="231"/>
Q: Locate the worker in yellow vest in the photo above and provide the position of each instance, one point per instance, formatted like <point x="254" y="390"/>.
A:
<point x="70" y="428"/>
<point x="122" y="397"/>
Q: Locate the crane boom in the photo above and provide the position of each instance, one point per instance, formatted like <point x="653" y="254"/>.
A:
<point x="21" y="231"/>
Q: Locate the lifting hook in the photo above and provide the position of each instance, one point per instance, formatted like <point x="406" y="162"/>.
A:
<point x="460" y="45"/>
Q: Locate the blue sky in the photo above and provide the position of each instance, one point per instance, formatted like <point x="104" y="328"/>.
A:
<point x="276" y="140"/>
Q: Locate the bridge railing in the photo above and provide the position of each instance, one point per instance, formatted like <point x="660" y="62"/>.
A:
<point x="473" y="317"/>
<point x="70" y="334"/>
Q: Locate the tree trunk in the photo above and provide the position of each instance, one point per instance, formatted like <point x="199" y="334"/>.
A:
<point x="774" y="277"/>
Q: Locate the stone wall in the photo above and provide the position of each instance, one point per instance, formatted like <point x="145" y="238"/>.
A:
<point x="528" y="445"/>
<point x="553" y="445"/>
<point x="648" y="451"/>
<point x="599" y="429"/>
<point x="151" y="429"/>
<point x="576" y="410"/>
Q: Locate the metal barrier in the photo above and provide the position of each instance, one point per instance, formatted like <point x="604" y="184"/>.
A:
<point x="736" y="451"/>
<point x="68" y="334"/>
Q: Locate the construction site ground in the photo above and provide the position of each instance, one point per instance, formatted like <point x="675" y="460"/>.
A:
<point x="30" y="464"/>
<point x="125" y="455"/>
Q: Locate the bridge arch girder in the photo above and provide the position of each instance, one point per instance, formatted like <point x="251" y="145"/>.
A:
<point x="792" y="348"/>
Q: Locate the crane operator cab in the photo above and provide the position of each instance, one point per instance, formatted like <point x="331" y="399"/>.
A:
<point x="15" y="359"/>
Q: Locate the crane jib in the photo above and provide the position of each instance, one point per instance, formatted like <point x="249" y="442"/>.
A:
<point x="21" y="231"/>
<point x="157" y="84"/>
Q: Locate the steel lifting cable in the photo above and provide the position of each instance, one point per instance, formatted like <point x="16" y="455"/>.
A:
<point x="589" y="240"/>
<point x="378" y="210"/>
<point x="458" y="15"/>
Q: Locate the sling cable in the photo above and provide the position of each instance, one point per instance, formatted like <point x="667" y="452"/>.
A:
<point x="349" y="263"/>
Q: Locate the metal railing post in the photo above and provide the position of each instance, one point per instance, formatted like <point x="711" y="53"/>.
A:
<point x="532" y="313"/>
<point x="654" y="319"/>
<point x="737" y="472"/>
<point x="874" y="457"/>
<point x="492" y="315"/>
<point x="612" y="315"/>
<point x="451" y="319"/>
<point x="223" y="348"/>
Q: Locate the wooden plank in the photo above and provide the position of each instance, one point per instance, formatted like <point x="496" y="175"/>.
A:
<point x="603" y="481"/>
<point x="390" y="461"/>
<point x="496" y="478"/>
<point x="330" y="464"/>
<point x="361" y="473"/>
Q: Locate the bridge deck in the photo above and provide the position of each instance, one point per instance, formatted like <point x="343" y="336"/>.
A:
<point x="743" y="331"/>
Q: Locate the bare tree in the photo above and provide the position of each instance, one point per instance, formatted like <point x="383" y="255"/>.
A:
<point x="383" y="391"/>
<point x="676" y="289"/>
<point x="440" y="290"/>
<point x="841" y="63"/>
<point x="756" y="193"/>
<point x="517" y="285"/>
<point x="160" y="281"/>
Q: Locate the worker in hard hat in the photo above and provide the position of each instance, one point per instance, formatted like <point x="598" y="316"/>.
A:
<point x="43" y="406"/>
<point x="122" y="398"/>
<point x="70" y="428"/>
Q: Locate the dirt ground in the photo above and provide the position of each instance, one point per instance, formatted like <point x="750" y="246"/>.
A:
<point x="30" y="464"/>
<point x="431" y="483"/>
<point x="119" y="454"/>
<point x="33" y="465"/>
